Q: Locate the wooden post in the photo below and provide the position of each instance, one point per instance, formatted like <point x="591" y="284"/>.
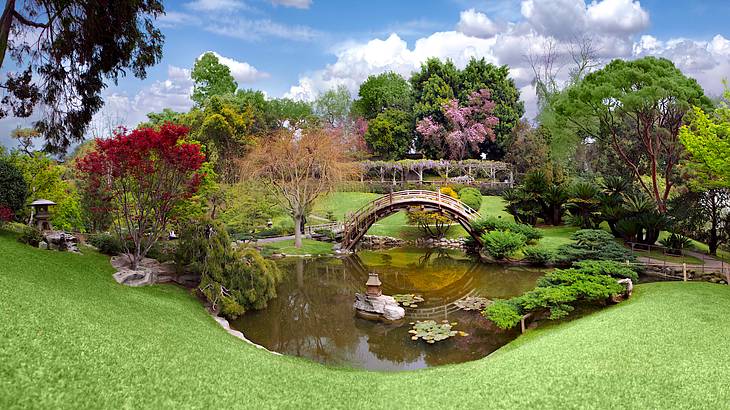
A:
<point x="684" y="271"/>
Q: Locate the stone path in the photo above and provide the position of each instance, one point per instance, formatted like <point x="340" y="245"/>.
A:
<point x="711" y="264"/>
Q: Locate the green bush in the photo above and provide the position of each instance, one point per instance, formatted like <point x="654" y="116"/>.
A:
<point x="30" y="236"/>
<point x="593" y="244"/>
<point x="501" y="244"/>
<point x="163" y="251"/>
<point x="232" y="280"/>
<point x="13" y="188"/>
<point x="504" y="313"/>
<point x="559" y="291"/>
<point x="676" y="241"/>
<point x="537" y="255"/>
<point x="607" y="267"/>
<point x="491" y="223"/>
<point x="105" y="243"/>
<point x="471" y="197"/>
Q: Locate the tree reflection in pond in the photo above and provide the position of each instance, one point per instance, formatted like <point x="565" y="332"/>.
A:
<point x="313" y="316"/>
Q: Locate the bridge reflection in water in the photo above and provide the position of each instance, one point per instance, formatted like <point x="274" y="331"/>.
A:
<point x="313" y="316"/>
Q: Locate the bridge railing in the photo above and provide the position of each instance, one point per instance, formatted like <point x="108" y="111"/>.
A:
<point x="362" y="217"/>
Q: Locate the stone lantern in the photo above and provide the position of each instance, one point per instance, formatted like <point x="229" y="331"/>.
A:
<point x="41" y="218"/>
<point x="373" y="285"/>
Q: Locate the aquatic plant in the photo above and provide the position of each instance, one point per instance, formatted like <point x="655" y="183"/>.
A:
<point x="408" y="300"/>
<point x="432" y="332"/>
<point x="472" y="303"/>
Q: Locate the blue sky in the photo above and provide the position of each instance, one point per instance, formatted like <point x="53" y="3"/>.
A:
<point x="299" y="48"/>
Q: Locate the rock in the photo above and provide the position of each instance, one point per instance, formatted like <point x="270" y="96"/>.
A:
<point x="43" y="245"/>
<point x="59" y="240"/>
<point x="138" y="277"/>
<point x="383" y="305"/>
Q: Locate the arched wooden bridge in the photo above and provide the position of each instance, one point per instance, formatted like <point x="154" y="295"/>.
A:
<point x="359" y="223"/>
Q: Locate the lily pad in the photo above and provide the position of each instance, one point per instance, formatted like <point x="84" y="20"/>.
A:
<point x="472" y="303"/>
<point x="432" y="332"/>
<point x="408" y="300"/>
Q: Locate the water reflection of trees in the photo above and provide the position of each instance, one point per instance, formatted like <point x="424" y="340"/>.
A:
<point x="308" y="317"/>
<point x="313" y="315"/>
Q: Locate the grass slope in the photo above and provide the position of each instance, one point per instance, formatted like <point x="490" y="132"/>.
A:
<point x="73" y="338"/>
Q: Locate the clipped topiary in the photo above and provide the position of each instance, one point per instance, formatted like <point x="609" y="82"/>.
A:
<point x="471" y="197"/>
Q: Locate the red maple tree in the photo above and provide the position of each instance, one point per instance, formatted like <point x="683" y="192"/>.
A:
<point x="141" y="176"/>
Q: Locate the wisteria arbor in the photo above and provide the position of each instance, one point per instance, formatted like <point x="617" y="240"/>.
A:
<point x="413" y="171"/>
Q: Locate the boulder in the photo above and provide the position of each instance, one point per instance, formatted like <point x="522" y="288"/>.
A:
<point x="383" y="306"/>
<point x="43" y="245"/>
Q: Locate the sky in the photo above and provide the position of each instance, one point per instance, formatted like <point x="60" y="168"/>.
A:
<point x="300" y="48"/>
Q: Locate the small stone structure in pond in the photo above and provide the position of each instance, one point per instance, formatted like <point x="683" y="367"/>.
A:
<point x="373" y="305"/>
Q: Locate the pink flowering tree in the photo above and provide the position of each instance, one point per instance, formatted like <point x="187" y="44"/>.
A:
<point x="464" y="128"/>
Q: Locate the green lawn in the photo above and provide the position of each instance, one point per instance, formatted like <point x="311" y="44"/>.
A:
<point x="73" y="338"/>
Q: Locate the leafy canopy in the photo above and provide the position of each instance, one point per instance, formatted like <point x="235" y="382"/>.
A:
<point x="211" y="78"/>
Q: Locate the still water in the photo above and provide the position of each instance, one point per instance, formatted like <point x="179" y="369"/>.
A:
<point x="313" y="317"/>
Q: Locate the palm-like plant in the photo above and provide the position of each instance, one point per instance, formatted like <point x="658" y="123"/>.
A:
<point x="554" y="199"/>
<point x="584" y="205"/>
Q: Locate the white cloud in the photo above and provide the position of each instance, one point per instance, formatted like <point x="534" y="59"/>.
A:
<point x="216" y="5"/>
<point x="617" y="16"/>
<point x="242" y="71"/>
<point x="356" y="61"/>
<point x="706" y="61"/>
<point x="252" y="30"/>
<point x="476" y="24"/>
<point x="299" y="4"/>
<point x="558" y="18"/>
<point x="176" y="18"/>
<point x="568" y="18"/>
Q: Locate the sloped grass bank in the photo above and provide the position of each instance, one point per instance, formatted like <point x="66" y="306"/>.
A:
<point x="73" y="338"/>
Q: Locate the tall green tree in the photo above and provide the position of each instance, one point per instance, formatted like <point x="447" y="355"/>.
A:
<point x="65" y="52"/>
<point x="638" y="103"/>
<point x="707" y="138"/>
<point x="211" y="78"/>
<point x="434" y="85"/>
<point x="333" y="107"/>
<point x="383" y="92"/>
<point x="390" y="134"/>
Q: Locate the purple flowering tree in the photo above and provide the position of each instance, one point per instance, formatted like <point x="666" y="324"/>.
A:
<point x="465" y="128"/>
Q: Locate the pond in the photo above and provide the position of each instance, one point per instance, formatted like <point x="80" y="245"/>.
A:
<point x="313" y="316"/>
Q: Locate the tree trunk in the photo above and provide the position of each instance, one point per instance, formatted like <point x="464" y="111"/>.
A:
<point x="6" y="21"/>
<point x="298" y="231"/>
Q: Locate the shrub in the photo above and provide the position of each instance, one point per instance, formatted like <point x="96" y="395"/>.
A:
<point x="163" y="251"/>
<point x="327" y="233"/>
<point x="676" y="241"/>
<point x="501" y="244"/>
<point x="6" y="214"/>
<point x="13" y="188"/>
<point x="105" y="243"/>
<point x="231" y="280"/>
<point x="593" y="244"/>
<point x="491" y="223"/>
<point x="607" y="267"/>
<point x="537" y="255"/>
<point x="558" y="292"/>
<point x="471" y="197"/>
<point x="433" y="224"/>
<point x="504" y="313"/>
<point x="447" y="190"/>
<point x="30" y="236"/>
